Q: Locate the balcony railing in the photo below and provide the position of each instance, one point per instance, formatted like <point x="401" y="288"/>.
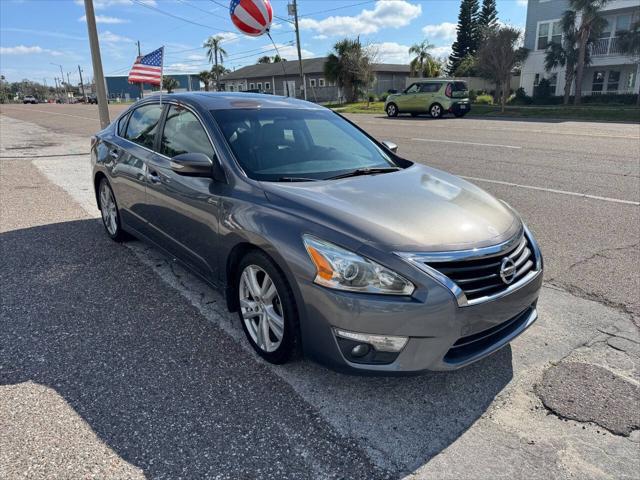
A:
<point x="605" y="46"/>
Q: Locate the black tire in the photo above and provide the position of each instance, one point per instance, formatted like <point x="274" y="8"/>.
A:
<point x="289" y="346"/>
<point x="436" y="111"/>
<point x="459" y="114"/>
<point x="392" y="110"/>
<point x="113" y="228"/>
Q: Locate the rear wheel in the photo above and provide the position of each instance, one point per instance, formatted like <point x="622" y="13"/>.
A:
<point x="436" y="110"/>
<point x="392" y="110"/>
<point x="109" y="212"/>
<point x="267" y="311"/>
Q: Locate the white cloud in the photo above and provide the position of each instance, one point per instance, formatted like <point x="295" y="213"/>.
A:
<point x="181" y="68"/>
<point x="441" y="31"/>
<point x="522" y="3"/>
<point x="320" y="37"/>
<point x="391" y="52"/>
<point x="110" y="37"/>
<point x="386" y="13"/>
<point x="290" y="52"/>
<point x="24" y="50"/>
<point x="105" y="19"/>
<point x="441" y="52"/>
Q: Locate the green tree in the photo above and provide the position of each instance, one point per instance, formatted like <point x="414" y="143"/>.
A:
<point x="467" y="67"/>
<point x="498" y="56"/>
<point x="213" y="51"/>
<point x="564" y="54"/>
<point x="348" y="64"/>
<point x="265" y="59"/>
<point x="277" y="59"/>
<point x="205" y="77"/>
<point x="487" y="20"/>
<point x="591" y="23"/>
<point x="467" y="34"/>
<point x="422" y="56"/>
<point x="169" y="83"/>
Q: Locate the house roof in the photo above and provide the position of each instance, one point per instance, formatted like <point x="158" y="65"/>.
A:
<point x="309" y="66"/>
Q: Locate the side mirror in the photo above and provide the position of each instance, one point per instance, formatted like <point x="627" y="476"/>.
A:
<point x="390" y="146"/>
<point x="197" y="165"/>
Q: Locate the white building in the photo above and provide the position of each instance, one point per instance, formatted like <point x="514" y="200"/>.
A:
<point x="609" y="71"/>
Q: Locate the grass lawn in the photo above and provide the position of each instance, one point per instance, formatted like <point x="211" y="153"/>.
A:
<point x="626" y="113"/>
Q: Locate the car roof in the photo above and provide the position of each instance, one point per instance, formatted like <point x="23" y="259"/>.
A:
<point x="231" y="100"/>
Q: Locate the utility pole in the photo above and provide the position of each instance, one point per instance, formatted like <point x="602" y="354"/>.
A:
<point x="82" y="83"/>
<point x="141" y="84"/>
<point x="55" y="80"/>
<point x="295" y="20"/>
<point x="98" y="75"/>
<point x="64" y="89"/>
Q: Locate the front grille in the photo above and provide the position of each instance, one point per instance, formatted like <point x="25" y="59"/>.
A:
<point x="466" y="348"/>
<point x="480" y="277"/>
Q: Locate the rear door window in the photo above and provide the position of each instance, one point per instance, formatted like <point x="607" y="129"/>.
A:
<point x="429" y="87"/>
<point x="183" y="133"/>
<point x="122" y="124"/>
<point x="143" y="125"/>
<point x="459" y="86"/>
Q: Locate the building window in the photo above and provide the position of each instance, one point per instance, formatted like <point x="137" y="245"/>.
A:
<point x="553" y="81"/>
<point x="613" y="81"/>
<point x="312" y="82"/>
<point x="536" y="80"/>
<point x="548" y="32"/>
<point x="321" y="82"/>
<point x="631" y="81"/>
<point x="267" y="86"/>
<point x="240" y="87"/>
<point x="231" y="88"/>
<point x="260" y="86"/>
<point x="598" y="82"/>
<point x="252" y="86"/>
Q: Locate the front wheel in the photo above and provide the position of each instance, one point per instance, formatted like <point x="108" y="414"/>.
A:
<point x="436" y="110"/>
<point x="109" y="212"/>
<point x="392" y="110"/>
<point x="267" y="311"/>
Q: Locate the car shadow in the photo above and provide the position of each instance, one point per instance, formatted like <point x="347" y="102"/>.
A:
<point x="173" y="394"/>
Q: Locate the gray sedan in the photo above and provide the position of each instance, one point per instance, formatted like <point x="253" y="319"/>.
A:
<point x="324" y="240"/>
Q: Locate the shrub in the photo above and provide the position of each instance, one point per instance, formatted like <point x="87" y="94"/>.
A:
<point x="371" y="97"/>
<point x="484" y="100"/>
<point x="521" y="98"/>
<point x="383" y="97"/>
<point x="473" y="95"/>
<point x="542" y="92"/>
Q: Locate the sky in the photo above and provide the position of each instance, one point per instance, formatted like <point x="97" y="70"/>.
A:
<point x="38" y="35"/>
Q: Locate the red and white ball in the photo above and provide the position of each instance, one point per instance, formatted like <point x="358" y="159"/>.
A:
<point x="251" y="17"/>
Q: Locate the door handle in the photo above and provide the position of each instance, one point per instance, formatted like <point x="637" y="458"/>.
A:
<point x="114" y="153"/>
<point x="153" y="176"/>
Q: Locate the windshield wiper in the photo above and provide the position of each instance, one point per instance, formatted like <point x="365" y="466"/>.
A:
<point x="297" y="179"/>
<point x="365" y="171"/>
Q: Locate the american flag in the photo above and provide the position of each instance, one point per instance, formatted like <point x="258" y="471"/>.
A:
<point x="148" y="68"/>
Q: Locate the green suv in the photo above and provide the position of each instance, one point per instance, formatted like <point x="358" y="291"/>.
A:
<point x="435" y="97"/>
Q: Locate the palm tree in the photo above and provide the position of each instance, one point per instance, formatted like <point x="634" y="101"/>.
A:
<point x="205" y="77"/>
<point x="629" y="44"/>
<point x="277" y="59"/>
<point x="347" y="65"/>
<point x="169" y="83"/>
<point x="213" y="50"/>
<point x="591" y="22"/>
<point x="265" y="59"/>
<point x="565" y="54"/>
<point x="422" y="55"/>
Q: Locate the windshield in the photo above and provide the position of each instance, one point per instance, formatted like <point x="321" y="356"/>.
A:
<point x="276" y="144"/>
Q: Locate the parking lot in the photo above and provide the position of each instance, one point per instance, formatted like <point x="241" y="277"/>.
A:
<point x="117" y="363"/>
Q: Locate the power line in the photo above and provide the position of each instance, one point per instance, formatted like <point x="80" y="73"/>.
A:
<point x="178" y="17"/>
<point x="336" y="8"/>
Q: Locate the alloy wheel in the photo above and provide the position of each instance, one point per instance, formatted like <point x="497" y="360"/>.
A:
<point x="436" y="111"/>
<point x="108" y="209"/>
<point x="261" y="308"/>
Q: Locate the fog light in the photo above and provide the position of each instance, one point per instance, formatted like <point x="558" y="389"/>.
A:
<point x="360" y="350"/>
<point x="382" y="343"/>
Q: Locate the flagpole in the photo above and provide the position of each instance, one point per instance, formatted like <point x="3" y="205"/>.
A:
<point x="161" y="74"/>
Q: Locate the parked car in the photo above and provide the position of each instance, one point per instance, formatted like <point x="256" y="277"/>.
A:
<point x="322" y="238"/>
<point x="92" y="99"/>
<point x="30" y="99"/>
<point x="435" y="97"/>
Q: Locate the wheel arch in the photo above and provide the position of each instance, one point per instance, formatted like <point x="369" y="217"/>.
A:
<point x="97" y="178"/>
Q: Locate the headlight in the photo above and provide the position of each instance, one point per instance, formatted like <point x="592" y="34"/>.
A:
<point x="344" y="270"/>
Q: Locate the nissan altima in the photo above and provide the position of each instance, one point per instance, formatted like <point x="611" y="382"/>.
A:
<point x="323" y="239"/>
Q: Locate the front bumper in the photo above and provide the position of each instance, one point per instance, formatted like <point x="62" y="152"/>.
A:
<point x="441" y="335"/>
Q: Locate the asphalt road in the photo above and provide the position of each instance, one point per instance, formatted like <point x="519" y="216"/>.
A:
<point x="114" y="362"/>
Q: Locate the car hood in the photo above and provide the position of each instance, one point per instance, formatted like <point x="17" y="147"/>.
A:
<point x="415" y="209"/>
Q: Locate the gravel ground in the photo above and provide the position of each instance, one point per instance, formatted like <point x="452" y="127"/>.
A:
<point x="115" y="362"/>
